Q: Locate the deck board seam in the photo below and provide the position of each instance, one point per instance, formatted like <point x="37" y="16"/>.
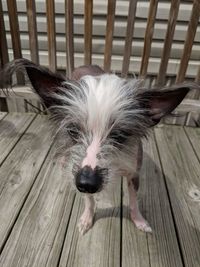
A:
<point x="20" y="137"/>
<point x="4" y="116"/>
<point x="26" y="197"/>
<point x="198" y="158"/>
<point x="121" y="222"/>
<point x="65" y="234"/>
<point x="170" y="203"/>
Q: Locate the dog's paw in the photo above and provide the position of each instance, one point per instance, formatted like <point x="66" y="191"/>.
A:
<point x="85" y="223"/>
<point x="141" y="224"/>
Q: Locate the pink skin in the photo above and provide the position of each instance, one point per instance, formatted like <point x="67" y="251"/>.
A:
<point x="86" y="220"/>
<point x="92" y="151"/>
<point x="136" y="216"/>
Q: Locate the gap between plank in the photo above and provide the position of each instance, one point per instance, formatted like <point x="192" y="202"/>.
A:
<point x="65" y="234"/>
<point x="18" y="139"/>
<point x="170" y="204"/>
<point x="34" y="180"/>
<point x="194" y="150"/>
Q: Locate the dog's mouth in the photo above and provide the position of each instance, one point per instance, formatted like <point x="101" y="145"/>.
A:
<point x="90" y="180"/>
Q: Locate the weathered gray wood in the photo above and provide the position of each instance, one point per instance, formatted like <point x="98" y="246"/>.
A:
<point x="181" y="168"/>
<point x="11" y="129"/>
<point x="2" y="115"/>
<point x="100" y="246"/>
<point x="37" y="237"/>
<point x="159" y="248"/>
<point x="19" y="171"/>
<point x="194" y="137"/>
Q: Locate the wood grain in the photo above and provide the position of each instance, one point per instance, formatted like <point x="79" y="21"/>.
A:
<point x="193" y="135"/>
<point x="192" y="27"/>
<point x="129" y="36"/>
<point x="50" y="9"/>
<point x="41" y="226"/>
<point x="88" y="13"/>
<point x="19" y="172"/>
<point x="100" y="246"/>
<point x="173" y="14"/>
<point x="109" y="34"/>
<point x="15" y="33"/>
<point x="161" y="247"/>
<point x="148" y="37"/>
<point x="197" y="79"/>
<point x="3" y="41"/>
<point x="181" y="168"/>
<point x="2" y="115"/>
<point x="12" y="127"/>
<point x="32" y="30"/>
<point x="69" y="28"/>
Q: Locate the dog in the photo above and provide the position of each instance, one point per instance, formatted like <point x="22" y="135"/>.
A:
<point x="100" y="120"/>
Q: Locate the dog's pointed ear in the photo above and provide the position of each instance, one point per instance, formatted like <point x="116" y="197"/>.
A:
<point x="159" y="103"/>
<point x="44" y="82"/>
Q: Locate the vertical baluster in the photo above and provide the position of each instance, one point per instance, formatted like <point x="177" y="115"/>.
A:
<point x="109" y="34"/>
<point x="15" y="34"/>
<point x="69" y="37"/>
<point x="173" y="14"/>
<point x="50" y="9"/>
<point x="129" y="36"/>
<point x="192" y="27"/>
<point x="148" y="37"/>
<point x="32" y="30"/>
<point x="4" y="58"/>
<point x="88" y="32"/>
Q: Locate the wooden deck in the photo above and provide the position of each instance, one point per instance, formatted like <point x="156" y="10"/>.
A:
<point x="39" y="210"/>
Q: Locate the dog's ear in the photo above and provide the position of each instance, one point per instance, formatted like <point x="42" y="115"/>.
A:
<point x="159" y="103"/>
<point x="44" y="82"/>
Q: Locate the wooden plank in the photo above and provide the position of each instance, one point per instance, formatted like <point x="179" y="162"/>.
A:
<point x="12" y="127"/>
<point x="181" y="168"/>
<point x="100" y="246"/>
<point x="193" y="135"/>
<point x="69" y="28"/>
<point x="109" y="34"/>
<point x="37" y="237"/>
<point x="3" y="42"/>
<point x="20" y="92"/>
<point x="197" y="79"/>
<point x="2" y="115"/>
<point x="88" y="32"/>
<point x="148" y="37"/>
<point x="161" y="247"/>
<point x="192" y="27"/>
<point x="15" y="33"/>
<point x="50" y="8"/>
<point x="129" y="36"/>
<point x="173" y="14"/>
<point x="32" y="30"/>
<point x="19" y="171"/>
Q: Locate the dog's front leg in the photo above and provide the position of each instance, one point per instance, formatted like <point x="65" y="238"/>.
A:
<point x="86" y="220"/>
<point x="136" y="216"/>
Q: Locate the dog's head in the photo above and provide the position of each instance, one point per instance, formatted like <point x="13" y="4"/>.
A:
<point x="100" y="118"/>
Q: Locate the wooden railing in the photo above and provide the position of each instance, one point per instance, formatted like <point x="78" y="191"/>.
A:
<point x="160" y="80"/>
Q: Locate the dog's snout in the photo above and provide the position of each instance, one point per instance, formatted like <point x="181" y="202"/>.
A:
<point x="88" y="180"/>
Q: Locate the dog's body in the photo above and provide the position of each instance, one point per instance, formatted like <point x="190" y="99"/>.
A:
<point x="101" y="119"/>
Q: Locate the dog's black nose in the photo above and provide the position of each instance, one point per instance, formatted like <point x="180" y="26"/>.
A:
<point x="88" y="180"/>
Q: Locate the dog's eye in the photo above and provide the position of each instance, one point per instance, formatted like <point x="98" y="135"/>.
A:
<point x="74" y="132"/>
<point x="119" y="136"/>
